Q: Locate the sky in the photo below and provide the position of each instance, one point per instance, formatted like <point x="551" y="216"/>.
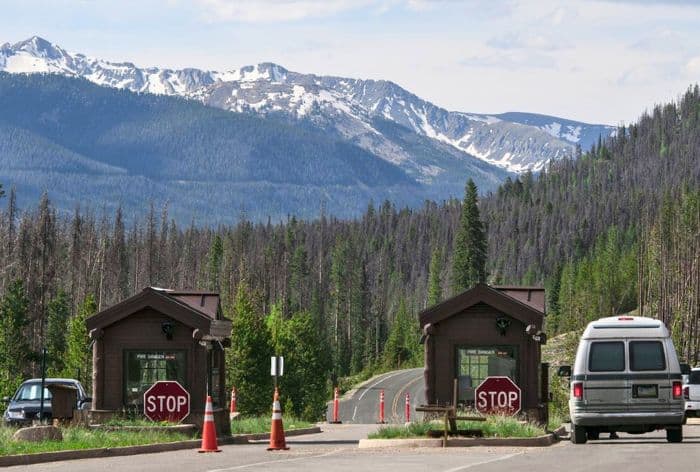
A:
<point x="588" y="60"/>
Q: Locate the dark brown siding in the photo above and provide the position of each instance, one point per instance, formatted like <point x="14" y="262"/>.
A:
<point x="476" y="326"/>
<point x="142" y="330"/>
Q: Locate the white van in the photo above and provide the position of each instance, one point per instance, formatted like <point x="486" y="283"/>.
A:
<point x="626" y="377"/>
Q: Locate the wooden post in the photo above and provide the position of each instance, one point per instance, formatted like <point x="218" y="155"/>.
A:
<point x="454" y="393"/>
<point x="444" y="439"/>
<point x="545" y="393"/>
<point x="97" y="370"/>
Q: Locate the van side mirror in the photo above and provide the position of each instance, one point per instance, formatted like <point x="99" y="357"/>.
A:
<point x="564" y="371"/>
<point x="685" y="369"/>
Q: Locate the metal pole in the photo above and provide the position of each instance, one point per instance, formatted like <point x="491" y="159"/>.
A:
<point x="43" y="383"/>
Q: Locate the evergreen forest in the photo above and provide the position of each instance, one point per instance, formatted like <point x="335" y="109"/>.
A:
<point x="616" y="230"/>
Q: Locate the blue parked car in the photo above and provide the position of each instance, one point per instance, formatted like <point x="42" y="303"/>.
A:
<point x="25" y="404"/>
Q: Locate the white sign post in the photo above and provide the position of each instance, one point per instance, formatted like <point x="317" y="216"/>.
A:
<point x="276" y="367"/>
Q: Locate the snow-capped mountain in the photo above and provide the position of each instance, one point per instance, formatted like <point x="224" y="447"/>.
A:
<point x="369" y="113"/>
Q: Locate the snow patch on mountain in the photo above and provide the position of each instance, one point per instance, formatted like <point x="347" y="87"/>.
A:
<point x="349" y="107"/>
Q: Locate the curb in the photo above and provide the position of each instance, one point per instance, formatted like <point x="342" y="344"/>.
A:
<point x="539" y="441"/>
<point x="415" y="442"/>
<point x="264" y="436"/>
<point x="39" y="457"/>
<point x="561" y="433"/>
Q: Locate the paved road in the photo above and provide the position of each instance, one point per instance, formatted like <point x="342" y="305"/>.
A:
<point x="362" y="404"/>
<point x="335" y="450"/>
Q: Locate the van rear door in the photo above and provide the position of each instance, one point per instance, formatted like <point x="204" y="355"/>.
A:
<point x="605" y="387"/>
<point x="650" y="382"/>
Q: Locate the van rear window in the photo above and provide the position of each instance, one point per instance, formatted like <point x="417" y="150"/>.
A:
<point x="647" y="355"/>
<point x="607" y="357"/>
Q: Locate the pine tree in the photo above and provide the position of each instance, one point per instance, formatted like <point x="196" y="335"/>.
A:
<point x="402" y="343"/>
<point x="434" y="287"/>
<point x="306" y="365"/>
<point x="216" y="253"/>
<point x="469" y="263"/>
<point x="14" y="346"/>
<point x="58" y="312"/>
<point x="248" y="358"/>
<point x="78" y="362"/>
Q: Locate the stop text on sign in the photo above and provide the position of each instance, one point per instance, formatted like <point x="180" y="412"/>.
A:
<point x="497" y="400"/>
<point x="498" y="394"/>
<point x="166" y="400"/>
<point x="166" y="403"/>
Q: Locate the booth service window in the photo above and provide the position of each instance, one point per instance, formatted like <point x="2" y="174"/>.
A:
<point x="144" y="368"/>
<point x="474" y="364"/>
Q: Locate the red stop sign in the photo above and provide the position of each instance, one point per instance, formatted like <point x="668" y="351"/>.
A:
<point x="166" y="400"/>
<point x="498" y="394"/>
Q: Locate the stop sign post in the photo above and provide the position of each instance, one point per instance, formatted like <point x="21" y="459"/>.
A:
<point x="498" y="394"/>
<point x="166" y="400"/>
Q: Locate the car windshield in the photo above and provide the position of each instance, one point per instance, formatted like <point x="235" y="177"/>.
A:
<point x="694" y="377"/>
<point x="32" y="391"/>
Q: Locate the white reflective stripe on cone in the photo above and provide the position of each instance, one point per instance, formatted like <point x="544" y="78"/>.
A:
<point x="276" y="415"/>
<point x="208" y="418"/>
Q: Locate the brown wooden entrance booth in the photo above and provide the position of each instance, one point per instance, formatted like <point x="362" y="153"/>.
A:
<point x="160" y="334"/>
<point x="486" y="331"/>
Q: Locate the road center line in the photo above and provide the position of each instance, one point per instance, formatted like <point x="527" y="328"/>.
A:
<point x="465" y="467"/>
<point x="367" y="389"/>
<point x="245" y="466"/>
<point x="398" y="395"/>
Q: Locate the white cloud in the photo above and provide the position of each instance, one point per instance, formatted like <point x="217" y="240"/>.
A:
<point x="270" y="11"/>
<point x="692" y="67"/>
<point x="511" y="60"/>
<point x="534" y="41"/>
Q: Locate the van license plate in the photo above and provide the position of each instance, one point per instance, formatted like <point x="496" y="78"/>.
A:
<point x="646" y="391"/>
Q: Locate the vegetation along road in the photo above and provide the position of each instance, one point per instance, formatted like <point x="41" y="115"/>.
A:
<point x="361" y="405"/>
<point x="332" y="451"/>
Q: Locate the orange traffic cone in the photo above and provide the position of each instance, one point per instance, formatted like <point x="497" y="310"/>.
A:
<point x="209" y="430"/>
<point x="277" y="441"/>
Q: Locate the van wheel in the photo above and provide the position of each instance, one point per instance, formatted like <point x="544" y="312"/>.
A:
<point x="674" y="435"/>
<point x="578" y="435"/>
<point x="593" y="435"/>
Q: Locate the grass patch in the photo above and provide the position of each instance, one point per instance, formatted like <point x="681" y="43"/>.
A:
<point x="144" y="422"/>
<point x="498" y="426"/>
<point x="261" y="424"/>
<point x="556" y="420"/>
<point x="413" y="430"/>
<point x="76" y="438"/>
<point x="494" y="427"/>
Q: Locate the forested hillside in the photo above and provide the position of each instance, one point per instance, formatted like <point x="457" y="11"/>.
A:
<point x="616" y="230"/>
<point x="105" y="147"/>
<point x="586" y="227"/>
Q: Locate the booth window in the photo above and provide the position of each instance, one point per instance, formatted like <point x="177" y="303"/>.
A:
<point x="474" y="364"/>
<point x="144" y="368"/>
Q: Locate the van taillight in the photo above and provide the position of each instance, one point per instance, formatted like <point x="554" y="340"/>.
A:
<point x="686" y="392"/>
<point x="677" y="390"/>
<point x="578" y="391"/>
